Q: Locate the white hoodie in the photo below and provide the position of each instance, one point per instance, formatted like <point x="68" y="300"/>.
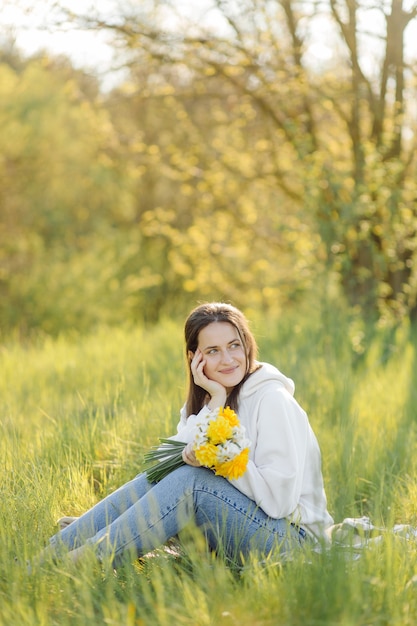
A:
<point x="283" y="475"/>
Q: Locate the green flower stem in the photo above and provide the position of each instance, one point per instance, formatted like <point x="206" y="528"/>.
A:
<point x="164" y="459"/>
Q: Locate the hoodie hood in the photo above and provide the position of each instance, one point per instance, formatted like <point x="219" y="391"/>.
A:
<point x="266" y="373"/>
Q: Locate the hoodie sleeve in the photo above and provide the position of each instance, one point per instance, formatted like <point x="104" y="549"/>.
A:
<point x="274" y="474"/>
<point x="186" y="428"/>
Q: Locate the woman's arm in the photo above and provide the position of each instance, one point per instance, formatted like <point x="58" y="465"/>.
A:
<point x="216" y="391"/>
<point x="274" y="474"/>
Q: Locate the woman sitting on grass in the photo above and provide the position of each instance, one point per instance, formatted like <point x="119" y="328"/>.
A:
<point x="277" y="504"/>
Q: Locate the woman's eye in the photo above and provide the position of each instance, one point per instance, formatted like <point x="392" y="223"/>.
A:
<point x="212" y="351"/>
<point x="235" y="345"/>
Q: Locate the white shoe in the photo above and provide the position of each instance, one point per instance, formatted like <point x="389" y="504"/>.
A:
<point x="63" y="522"/>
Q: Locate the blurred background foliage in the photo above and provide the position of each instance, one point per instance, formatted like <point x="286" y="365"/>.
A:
<point x="230" y="163"/>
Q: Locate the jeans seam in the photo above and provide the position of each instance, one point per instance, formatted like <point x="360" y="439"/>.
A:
<point x="150" y="527"/>
<point x="244" y="512"/>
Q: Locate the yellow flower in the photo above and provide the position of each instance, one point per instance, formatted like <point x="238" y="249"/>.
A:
<point x="236" y="467"/>
<point x="230" y="415"/>
<point x="206" y="454"/>
<point x="219" y="430"/>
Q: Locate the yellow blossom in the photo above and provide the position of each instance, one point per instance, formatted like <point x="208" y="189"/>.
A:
<point x="220" y="436"/>
<point x="236" y="467"/>
<point x="219" y="430"/>
<point x="206" y="454"/>
<point x="229" y="415"/>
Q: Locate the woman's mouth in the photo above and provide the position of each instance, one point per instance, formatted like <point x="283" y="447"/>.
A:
<point x="229" y="370"/>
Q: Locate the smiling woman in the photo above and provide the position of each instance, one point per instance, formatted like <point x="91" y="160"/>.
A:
<point x="223" y="362"/>
<point x="277" y="504"/>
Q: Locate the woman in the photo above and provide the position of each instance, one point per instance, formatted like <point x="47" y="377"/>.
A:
<point x="277" y="504"/>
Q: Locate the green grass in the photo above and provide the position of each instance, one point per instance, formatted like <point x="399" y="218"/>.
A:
<point x="77" y="415"/>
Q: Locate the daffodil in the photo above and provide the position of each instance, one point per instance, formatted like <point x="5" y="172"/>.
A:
<point x="219" y="430"/>
<point x="219" y="443"/>
<point x="235" y="468"/>
<point x="230" y="415"/>
<point x="207" y="455"/>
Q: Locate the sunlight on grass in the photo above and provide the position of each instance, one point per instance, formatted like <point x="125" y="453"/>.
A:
<point x="78" y="414"/>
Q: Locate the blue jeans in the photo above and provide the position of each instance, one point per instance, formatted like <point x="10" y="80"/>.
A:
<point x="140" y="516"/>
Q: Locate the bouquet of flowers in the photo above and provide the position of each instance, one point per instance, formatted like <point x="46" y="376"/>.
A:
<point x="219" y="443"/>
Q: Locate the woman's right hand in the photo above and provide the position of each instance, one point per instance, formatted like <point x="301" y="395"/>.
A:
<point x="188" y="456"/>
<point x="216" y="391"/>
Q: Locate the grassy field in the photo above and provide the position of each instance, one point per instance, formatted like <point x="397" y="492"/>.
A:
<point x="77" y="415"/>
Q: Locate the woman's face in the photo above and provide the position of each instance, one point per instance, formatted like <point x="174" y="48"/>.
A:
<point x="224" y="354"/>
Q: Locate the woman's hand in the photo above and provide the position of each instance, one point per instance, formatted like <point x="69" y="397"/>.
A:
<point x="216" y="391"/>
<point x="188" y="456"/>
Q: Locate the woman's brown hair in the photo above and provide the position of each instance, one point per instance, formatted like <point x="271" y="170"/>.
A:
<point x="199" y="318"/>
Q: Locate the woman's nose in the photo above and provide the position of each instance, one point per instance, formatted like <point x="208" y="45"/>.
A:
<point x="226" y="358"/>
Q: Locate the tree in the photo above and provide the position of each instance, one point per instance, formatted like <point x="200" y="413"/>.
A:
<point x="59" y="185"/>
<point x="329" y="146"/>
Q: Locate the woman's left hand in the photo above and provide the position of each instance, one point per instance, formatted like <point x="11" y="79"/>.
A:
<point x="188" y="456"/>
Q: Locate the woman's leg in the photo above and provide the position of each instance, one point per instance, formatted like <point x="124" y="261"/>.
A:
<point x="232" y="523"/>
<point x="102" y="514"/>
